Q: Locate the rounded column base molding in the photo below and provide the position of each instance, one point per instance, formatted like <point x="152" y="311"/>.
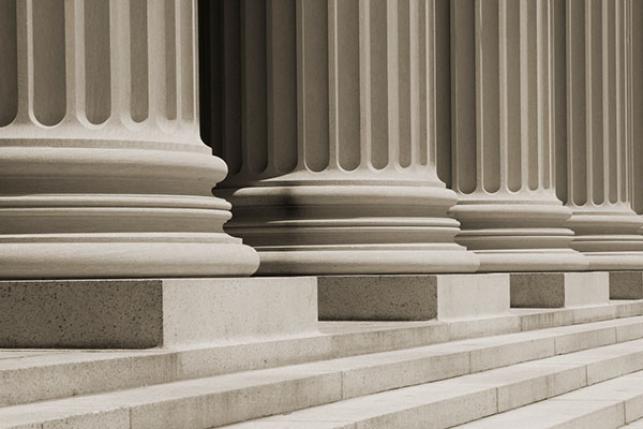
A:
<point x="67" y="256"/>
<point x="518" y="235"/>
<point x="609" y="236"/>
<point x="615" y="261"/>
<point x="367" y="260"/>
<point x="349" y="228"/>
<point x="531" y="260"/>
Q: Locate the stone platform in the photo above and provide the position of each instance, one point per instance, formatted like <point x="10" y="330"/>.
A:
<point x="374" y="374"/>
<point x="154" y="313"/>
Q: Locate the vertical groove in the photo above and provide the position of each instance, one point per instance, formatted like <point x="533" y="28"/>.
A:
<point x="616" y="94"/>
<point x="347" y="85"/>
<point x="531" y="97"/>
<point x="170" y="51"/>
<point x="635" y="22"/>
<point x="282" y="88"/>
<point x="313" y="78"/>
<point x="75" y="86"/>
<point x="24" y="63"/>
<point x="253" y="94"/>
<point x="365" y="84"/>
<point x="546" y="58"/>
<point x="9" y="63"/>
<point x="415" y="86"/>
<point x="49" y="98"/>
<point x="503" y="90"/>
<point x="379" y="84"/>
<point x="186" y="61"/>
<point x="120" y="70"/>
<point x="487" y="93"/>
<point x="513" y="113"/>
<point x="425" y="87"/>
<point x="595" y="34"/>
<point x="230" y="23"/>
<point x="439" y="62"/>
<point x="559" y="54"/>
<point x="524" y="97"/>
<point x="139" y="83"/>
<point x="393" y="83"/>
<point x="577" y="99"/>
<point x="97" y="61"/>
<point x="333" y="86"/>
<point x="463" y="88"/>
<point x="404" y="83"/>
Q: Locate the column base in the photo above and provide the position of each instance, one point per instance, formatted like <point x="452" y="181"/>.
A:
<point x="614" y="261"/>
<point x="121" y="255"/>
<point x="413" y="297"/>
<point x="349" y="223"/>
<point x="557" y="290"/>
<point x="626" y="284"/>
<point x="521" y="260"/>
<point x="172" y="313"/>
<point x="354" y="261"/>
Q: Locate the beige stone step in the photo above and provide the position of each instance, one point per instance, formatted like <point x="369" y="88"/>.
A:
<point x="611" y="404"/>
<point x="34" y="375"/>
<point x="336" y="386"/>
<point x="459" y="400"/>
<point x="638" y="424"/>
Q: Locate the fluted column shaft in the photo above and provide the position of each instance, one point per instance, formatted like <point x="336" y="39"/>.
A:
<point x="503" y="136"/>
<point x="332" y="169"/>
<point x="102" y="171"/>
<point x="635" y="116"/>
<point x="599" y="134"/>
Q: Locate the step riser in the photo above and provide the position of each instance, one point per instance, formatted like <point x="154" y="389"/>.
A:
<point x="207" y="410"/>
<point x="91" y="375"/>
<point x="509" y="396"/>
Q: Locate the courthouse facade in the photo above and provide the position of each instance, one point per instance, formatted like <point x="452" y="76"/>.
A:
<point x="457" y="164"/>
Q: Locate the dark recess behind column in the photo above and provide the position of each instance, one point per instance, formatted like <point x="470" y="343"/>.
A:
<point x="211" y="72"/>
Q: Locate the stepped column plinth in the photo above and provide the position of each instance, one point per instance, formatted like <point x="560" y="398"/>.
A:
<point x="102" y="170"/>
<point x="332" y="169"/>
<point x="599" y="133"/>
<point x="503" y="137"/>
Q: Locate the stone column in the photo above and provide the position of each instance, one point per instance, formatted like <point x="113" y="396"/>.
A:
<point x="332" y="168"/>
<point x="635" y="112"/>
<point x="598" y="134"/>
<point x="503" y="136"/>
<point x="102" y="171"/>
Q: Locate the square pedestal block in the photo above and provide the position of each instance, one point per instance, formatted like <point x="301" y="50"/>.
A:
<point x="626" y="284"/>
<point x="154" y="313"/>
<point x="556" y="290"/>
<point x="413" y="297"/>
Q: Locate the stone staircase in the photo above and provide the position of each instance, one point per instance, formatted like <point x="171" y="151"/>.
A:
<point x="571" y="368"/>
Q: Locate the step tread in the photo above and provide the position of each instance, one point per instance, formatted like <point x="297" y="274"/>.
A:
<point x="472" y="388"/>
<point x="637" y="424"/>
<point x="267" y="387"/>
<point x="609" y="404"/>
<point x="30" y="375"/>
